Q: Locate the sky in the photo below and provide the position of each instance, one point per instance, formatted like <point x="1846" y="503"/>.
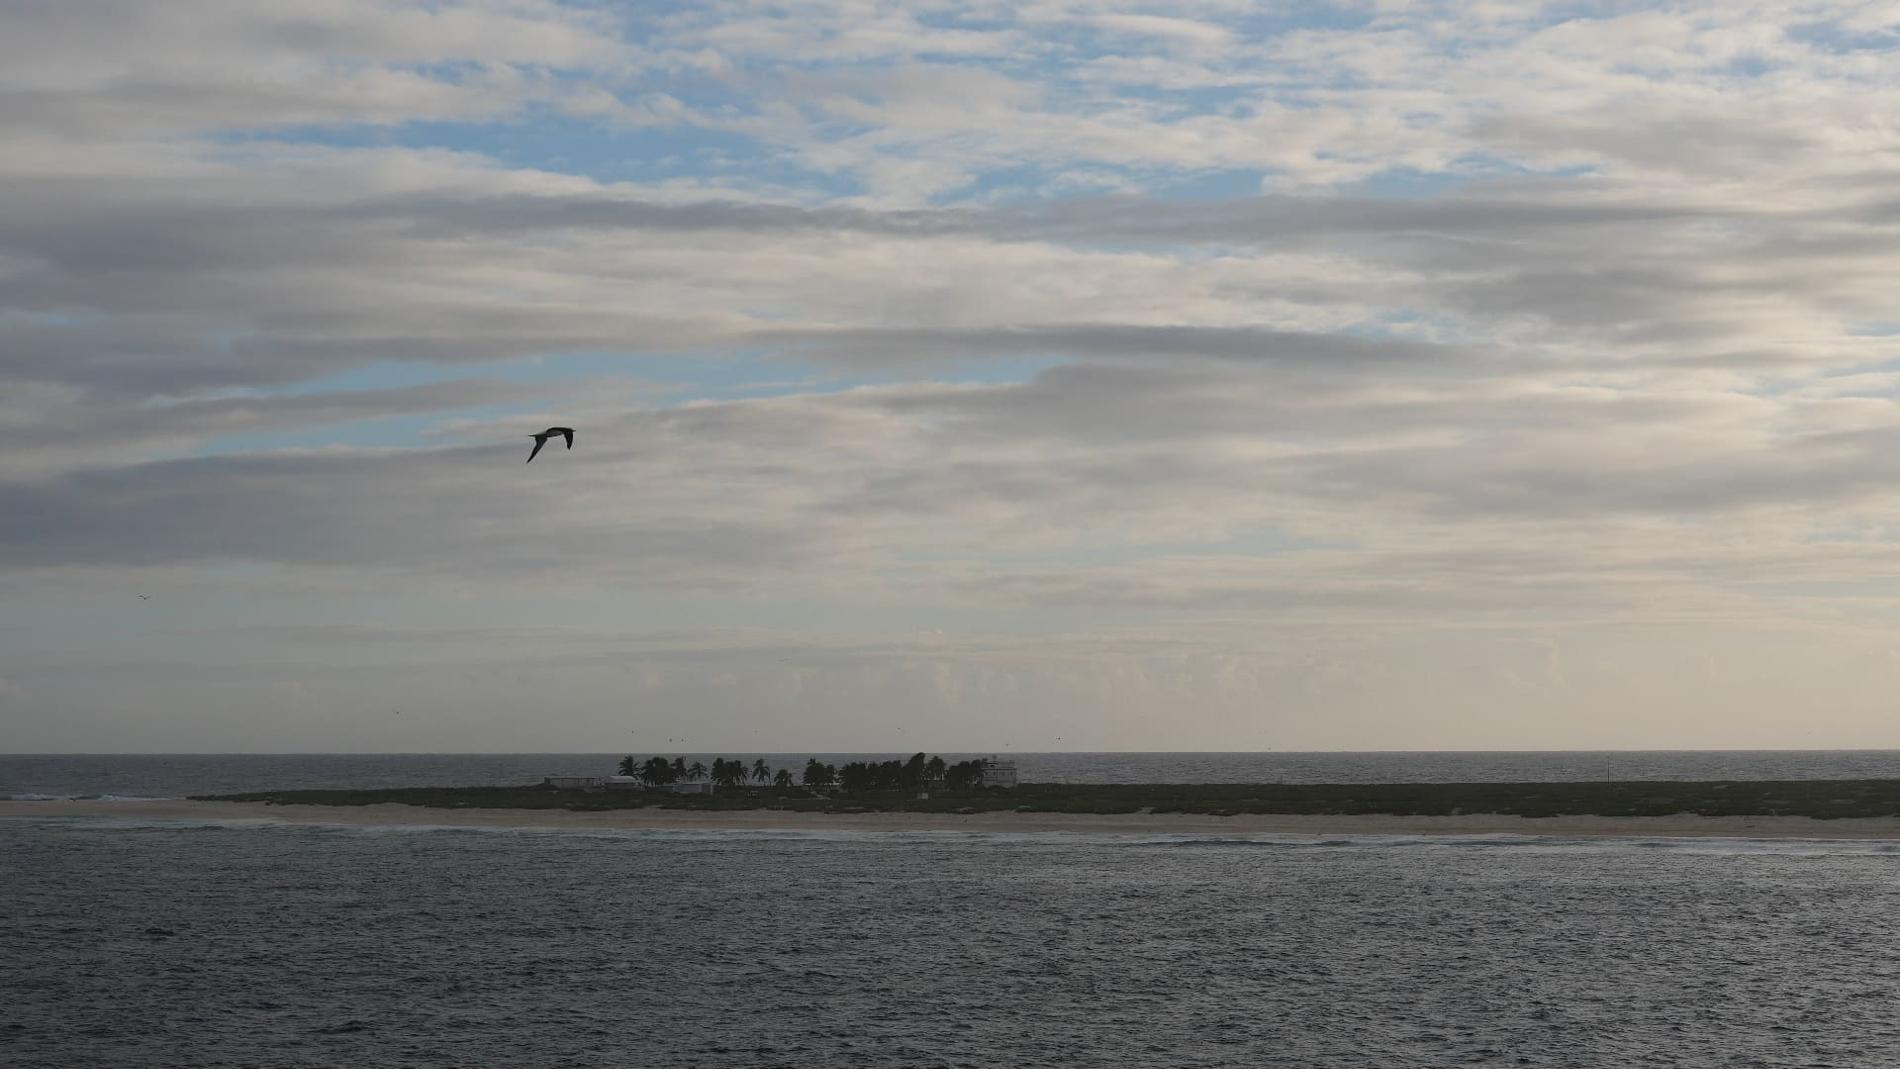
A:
<point x="960" y="376"/>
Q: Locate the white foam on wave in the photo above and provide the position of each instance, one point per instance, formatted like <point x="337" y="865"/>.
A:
<point x="684" y="835"/>
<point x="31" y="796"/>
<point x="137" y="823"/>
<point x="1280" y="840"/>
<point x="121" y="798"/>
<point x="1121" y="839"/>
<point x="718" y="835"/>
<point x="1542" y="843"/>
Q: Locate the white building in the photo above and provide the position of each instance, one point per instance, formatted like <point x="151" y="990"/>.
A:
<point x="997" y="773"/>
<point x="574" y="783"/>
<point x="690" y="787"/>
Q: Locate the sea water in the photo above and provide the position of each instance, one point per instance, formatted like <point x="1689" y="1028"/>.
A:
<point x="145" y="944"/>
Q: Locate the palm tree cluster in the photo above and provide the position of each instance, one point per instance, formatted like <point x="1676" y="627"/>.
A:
<point x="963" y="776"/>
<point x="916" y="774"/>
<point x="658" y="772"/>
<point x="819" y="775"/>
<point x="912" y="775"/>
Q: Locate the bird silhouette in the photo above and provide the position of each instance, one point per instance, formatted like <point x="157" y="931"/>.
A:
<point x="542" y="439"/>
<point x="145" y="597"/>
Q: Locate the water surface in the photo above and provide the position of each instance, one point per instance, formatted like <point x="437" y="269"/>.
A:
<point x="161" y="944"/>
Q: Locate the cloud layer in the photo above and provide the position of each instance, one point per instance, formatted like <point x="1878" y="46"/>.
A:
<point x="1364" y="375"/>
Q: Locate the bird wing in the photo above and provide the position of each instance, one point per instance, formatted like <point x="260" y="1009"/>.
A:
<point x="539" y="441"/>
<point x="568" y="433"/>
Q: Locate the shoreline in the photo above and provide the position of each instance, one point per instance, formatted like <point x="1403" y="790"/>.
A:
<point x="655" y="819"/>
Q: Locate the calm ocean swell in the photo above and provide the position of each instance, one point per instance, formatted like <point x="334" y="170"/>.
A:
<point x="307" y="946"/>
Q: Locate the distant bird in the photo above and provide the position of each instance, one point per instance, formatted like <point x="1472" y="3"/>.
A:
<point x="542" y="439"/>
<point x="145" y="597"/>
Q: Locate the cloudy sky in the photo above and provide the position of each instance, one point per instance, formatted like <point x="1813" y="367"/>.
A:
<point x="1047" y="375"/>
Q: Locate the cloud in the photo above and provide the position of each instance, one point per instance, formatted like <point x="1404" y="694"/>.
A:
<point x="1183" y="33"/>
<point x="133" y="70"/>
<point x="1391" y="492"/>
<point x="60" y="429"/>
<point x="1048" y="325"/>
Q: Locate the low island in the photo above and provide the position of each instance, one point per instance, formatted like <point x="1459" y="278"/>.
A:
<point x="924" y="794"/>
<point x="1814" y="799"/>
<point x="925" y="787"/>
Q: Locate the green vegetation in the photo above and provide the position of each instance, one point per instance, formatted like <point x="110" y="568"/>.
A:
<point x="1826" y="799"/>
<point x="916" y="774"/>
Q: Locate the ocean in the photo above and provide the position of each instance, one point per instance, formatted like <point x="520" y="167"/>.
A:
<point x="238" y="944"/>
<point x="157" y="943"/>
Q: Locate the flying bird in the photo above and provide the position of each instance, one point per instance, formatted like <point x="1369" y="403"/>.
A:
<point x="542" y="439"/>
<point x="145" y="597"/>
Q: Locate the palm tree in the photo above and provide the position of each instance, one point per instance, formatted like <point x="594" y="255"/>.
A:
<point x="698" y="771"/>
<point x="627" y="767"/>
<point x="815" y="773"/>
<point x="719" y="771"/>
<point x="760" y="773"/>
<point x="783" y="780"/>
<point x="964" y="776"/>
<point x="679" y="768"/>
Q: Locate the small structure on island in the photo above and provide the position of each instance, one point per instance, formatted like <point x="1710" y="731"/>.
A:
<point x="575" y="783"/>
<point x="688" y="787"/>
<point x="625" y="783"/>
<point x="997" y="773"/>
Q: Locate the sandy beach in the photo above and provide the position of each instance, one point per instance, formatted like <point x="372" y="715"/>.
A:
<point x="1131" y="824"/>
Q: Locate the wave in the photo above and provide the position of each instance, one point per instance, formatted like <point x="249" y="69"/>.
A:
<point x="1541" y="843"/>
<point x="121" y="798"/>
<point x="1126" y="840"/>
<point x="31" y="796"/>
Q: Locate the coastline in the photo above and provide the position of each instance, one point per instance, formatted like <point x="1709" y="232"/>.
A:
<point x="655" y="819"/>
